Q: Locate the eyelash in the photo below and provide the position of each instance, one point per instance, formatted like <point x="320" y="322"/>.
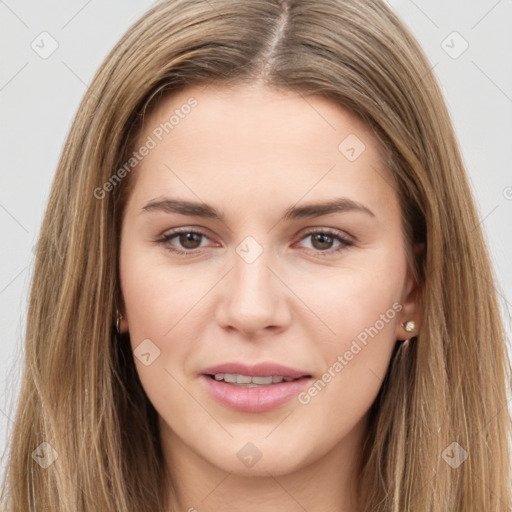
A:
<point x="344" y="242"/>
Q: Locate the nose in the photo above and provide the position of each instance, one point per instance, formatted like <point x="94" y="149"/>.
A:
<point x="253" y="299"/>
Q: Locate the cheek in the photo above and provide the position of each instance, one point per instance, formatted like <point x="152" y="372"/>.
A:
<point x="163" y="306"/>
<point x="154" y="294"/>
<point x="346" y="300"/>
<point x="360" y="308"/>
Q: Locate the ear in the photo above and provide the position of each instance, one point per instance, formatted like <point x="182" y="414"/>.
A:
<point x="411" y="301"/>
<point x="123" y="324"/>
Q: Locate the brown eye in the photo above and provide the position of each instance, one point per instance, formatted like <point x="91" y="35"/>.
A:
<point x="186" y="241"/>
<point x="321" y="241"/>
<point x="190" y="240"/>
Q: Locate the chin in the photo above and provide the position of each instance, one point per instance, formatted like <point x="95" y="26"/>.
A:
<point x="261" y="458"/>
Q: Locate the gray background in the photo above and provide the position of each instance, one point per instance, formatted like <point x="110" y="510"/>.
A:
<point x="39" y="97"/>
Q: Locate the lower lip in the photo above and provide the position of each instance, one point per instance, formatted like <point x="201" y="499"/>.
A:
<point x="260" y="399"/>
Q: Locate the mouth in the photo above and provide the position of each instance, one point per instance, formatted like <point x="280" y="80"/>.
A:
<point x="257" y="388"/>
<point x="253" y="387"/>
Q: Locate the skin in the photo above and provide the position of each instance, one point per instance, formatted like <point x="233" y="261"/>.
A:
<point x="252" y="152"/>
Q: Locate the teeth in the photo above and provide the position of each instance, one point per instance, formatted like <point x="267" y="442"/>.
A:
<point x="262" y="380"/>
<point x="250" y="381"/>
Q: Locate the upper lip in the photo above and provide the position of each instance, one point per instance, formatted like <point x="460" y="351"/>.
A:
<point x="266" y="369"/>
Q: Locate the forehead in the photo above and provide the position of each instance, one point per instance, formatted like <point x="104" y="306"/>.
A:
<point x="252" y="140"/>
<point x="256" y="114"/>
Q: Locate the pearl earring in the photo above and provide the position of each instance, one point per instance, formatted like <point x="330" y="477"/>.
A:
<point x="409" y="326"/>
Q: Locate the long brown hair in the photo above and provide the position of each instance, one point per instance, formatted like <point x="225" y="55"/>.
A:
<point x="444" y="397"/>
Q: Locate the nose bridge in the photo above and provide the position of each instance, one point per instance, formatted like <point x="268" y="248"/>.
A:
<point x="253" y="280"/>
<point x="253" y="299"/>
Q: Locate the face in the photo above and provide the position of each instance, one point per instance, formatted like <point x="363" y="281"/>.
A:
<point x="263" y="239"/>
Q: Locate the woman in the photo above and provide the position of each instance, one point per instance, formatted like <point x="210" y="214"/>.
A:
<point x="261" y="283"/>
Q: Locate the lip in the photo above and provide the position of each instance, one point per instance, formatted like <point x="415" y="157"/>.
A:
<point x="261" y="399"/>
<point x="256" y="370"/>
<point x="257" y="399"/>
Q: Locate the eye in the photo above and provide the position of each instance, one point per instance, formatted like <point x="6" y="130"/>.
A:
<point x="323" y="239"/>
<point x="189" y="239"/>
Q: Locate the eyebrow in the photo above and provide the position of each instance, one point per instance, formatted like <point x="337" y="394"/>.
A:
<point x="338" y="205"/>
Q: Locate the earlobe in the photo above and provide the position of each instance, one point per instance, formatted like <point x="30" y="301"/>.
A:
<point x="409" y="328"/>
